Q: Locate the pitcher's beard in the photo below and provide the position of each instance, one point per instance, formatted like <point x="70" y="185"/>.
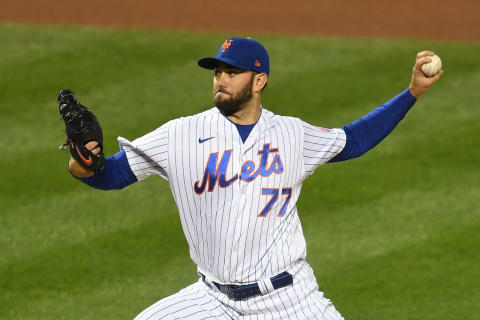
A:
<point x="236" y="103"/>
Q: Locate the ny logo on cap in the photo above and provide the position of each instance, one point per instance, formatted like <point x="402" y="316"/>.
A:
<point x="226" y="45"/>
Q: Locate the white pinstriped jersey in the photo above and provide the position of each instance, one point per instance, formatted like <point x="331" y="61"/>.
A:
<point x="237" y="201"/>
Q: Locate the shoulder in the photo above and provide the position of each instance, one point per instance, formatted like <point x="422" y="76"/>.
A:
<point x="209" y="115"/>
<point x="280" y="120"/>
<point x="299" y="126"/>
<point x="294" y="121"/>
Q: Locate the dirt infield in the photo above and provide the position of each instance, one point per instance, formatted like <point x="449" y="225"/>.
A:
<point x="420" y="19"/>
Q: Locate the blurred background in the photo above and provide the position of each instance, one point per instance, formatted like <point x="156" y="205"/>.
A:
<point x="393" y="234"/>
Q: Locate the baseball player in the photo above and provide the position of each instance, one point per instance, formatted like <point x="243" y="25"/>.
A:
<point x="236" y="172"/>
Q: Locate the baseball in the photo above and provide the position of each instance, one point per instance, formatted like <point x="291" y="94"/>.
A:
<point x="432" y="68"/>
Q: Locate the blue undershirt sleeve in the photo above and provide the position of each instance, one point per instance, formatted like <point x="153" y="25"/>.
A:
<point x="116" y="175"/>
<point x="365" y="133"/>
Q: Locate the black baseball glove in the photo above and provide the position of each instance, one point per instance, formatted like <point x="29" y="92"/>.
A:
<point x="81" y="127"/>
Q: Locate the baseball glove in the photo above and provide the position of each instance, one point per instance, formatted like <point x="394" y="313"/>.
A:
<point x="81" y="127"/>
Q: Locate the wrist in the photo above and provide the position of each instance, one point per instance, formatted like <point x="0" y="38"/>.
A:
<point x="415" y="93"/>
<point x="77" y="170"/>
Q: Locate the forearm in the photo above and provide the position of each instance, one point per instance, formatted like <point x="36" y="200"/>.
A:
<point x="77" y="170"/>
<point x="366" y="132"/>
<point x="116" y="175"/>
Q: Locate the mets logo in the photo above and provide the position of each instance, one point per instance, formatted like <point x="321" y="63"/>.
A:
<point x="226" y="45"/>
<point x="216" y="173"/>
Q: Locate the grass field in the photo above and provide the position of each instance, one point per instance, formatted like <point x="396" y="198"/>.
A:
<point x="391" y="235"/>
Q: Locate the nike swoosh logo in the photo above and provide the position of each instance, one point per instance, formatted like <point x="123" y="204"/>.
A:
<point x="88" y="161"/>
<point x="200" y="140"/>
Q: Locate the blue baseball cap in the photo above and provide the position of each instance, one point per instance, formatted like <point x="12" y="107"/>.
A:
<point x="242" y="53"/>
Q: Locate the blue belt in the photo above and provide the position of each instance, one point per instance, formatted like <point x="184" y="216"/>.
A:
<point x="240" y="292"/>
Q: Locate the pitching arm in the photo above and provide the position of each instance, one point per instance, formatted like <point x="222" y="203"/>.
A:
<point x="365" y="133"/>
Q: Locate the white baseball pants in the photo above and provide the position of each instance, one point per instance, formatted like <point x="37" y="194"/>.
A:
<point x="302" y="300"/>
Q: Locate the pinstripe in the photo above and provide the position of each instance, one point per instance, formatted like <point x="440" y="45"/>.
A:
<point x="320" y="145"/>
<point x="309" y="297"/>
<point x="178" y="195"/>
<point x="295" y="289"/>
<point x="155" y="147"/>
<point x="287" y="307"/>
<point x="277" y="181"/>
<point x="209" y="212"/>
<point x="269" y="313"/>
<point x="222" y="216"/>
<point x="247" y="253"/>
<point x="231" y="213"/>
<point x="260" y="204"/>
<point x="183" y="180"/>
<point x="315" y="303"/>
<point x="219" y="219"/>
<point x="264" y="222"/>
<point x="195" y="200"/>
<point x="202" y="212"/>
<point x="291" y="182"/>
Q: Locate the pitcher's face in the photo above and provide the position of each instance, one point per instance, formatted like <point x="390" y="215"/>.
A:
<point x="232" y="88"/>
